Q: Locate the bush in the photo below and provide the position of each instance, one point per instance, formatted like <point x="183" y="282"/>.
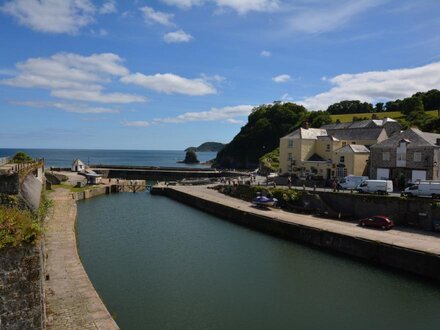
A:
<point x="22" y="157"/>
<point x="17" y="226"/>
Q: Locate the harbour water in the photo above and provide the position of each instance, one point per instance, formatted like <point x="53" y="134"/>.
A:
<point x="159" y="264"/>
<point x="64" y="157"/>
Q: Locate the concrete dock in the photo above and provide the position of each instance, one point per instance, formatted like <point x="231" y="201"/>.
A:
<point x="410" y="250"/>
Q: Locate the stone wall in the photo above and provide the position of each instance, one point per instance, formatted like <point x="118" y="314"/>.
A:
<point x="21" y="293"/>
<point x="413" y="212"/>
<point x="10" y="184"/>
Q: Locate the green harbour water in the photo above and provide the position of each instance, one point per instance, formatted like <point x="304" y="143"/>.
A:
<point x="158" y="264"/>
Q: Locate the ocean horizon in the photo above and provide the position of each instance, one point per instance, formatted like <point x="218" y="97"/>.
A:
<point x="65" y="157"/>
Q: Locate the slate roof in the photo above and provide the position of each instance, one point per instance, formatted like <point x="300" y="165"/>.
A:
<point x="359" y="124"/>
<point x="356" y="148"/>
<point x="307" y="133"/>
<point x="357" y="133"/>
<point x="416" y="138"/>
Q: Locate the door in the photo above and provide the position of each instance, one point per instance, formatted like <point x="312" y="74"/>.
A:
<point x="418" y="175"/>
<point x="383" y="173"/>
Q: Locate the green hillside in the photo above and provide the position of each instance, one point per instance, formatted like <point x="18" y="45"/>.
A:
<point x="345" y="118"/>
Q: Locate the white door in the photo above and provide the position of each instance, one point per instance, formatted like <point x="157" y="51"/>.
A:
<point x="383" y="173"/>
<point x="418" y="175"/>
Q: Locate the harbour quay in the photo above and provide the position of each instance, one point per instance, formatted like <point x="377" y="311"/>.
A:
<point x="408" y="250"/>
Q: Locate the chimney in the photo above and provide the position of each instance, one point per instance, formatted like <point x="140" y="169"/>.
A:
<point x="306" y="125"/>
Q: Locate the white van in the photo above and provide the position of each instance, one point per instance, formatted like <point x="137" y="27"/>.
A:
<point x="351" y="181"/>
<point x="376" y="186"/>
<point x="424" y="189"/>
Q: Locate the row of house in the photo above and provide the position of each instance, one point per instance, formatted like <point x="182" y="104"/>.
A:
<point x="376" y="148"/>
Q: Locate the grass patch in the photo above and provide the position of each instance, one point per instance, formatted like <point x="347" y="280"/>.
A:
<point x="345" y="118"/>
<point x="72" y="188"/>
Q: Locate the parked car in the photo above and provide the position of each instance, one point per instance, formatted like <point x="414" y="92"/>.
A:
<point x="378" y="221"/>
<point x="351" y="181"/>
<point x="376" y="186"/>
<point x="424" y="189"/>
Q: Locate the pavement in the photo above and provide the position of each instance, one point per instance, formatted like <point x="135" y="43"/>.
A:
<point x="406" y="238"/>
<point x="71" y="300"/>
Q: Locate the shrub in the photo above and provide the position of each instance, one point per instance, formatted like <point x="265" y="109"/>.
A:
<point x="17" y="226"/>
<point x="22" y="157"/>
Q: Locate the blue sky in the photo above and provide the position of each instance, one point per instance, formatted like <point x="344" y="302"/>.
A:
<point x="169" y="74"/>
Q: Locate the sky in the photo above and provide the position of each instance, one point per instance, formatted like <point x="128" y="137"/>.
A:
<point x="169" y="74"/>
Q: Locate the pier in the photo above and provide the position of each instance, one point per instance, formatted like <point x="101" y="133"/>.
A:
<point x="404" y="249"/>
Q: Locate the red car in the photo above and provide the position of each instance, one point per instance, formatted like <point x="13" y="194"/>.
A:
<point x="378" y="221"/>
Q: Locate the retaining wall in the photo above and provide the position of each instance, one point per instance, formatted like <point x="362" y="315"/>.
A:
<point x="412" y="261"/>
<point x="21" y="290"/>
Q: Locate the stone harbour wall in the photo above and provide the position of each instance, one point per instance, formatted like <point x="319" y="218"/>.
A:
<point x="21" y="290"/>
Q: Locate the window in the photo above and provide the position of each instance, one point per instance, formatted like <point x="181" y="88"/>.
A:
<point x="417" y="156"/>
<point x="353" y="142"/>
<point x="289" y="156"/>
<point x="385" y="155"/>
<point x="290" y="143"/>
<point x="344" y="143"/>
<point x="327" y="147"/>
<point x="341" y="172"/>
<point x="342" y="159"/>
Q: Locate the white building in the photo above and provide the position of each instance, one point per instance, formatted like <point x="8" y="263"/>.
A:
<point x="78" y="166"/>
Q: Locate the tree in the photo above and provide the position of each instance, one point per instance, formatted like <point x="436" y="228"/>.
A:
<point x="319" y="118"/>
<point x="379" y="107"/>
<point x="353" y="106"/>
<point x="191" y="157"/>
<point x="412" y="104"/>
<point x="266" y="124"/>
<point x="22" y="157"/>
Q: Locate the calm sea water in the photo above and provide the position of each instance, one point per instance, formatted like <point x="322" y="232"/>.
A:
<point x="65" y="157"/>
<point x="159" y="264"/>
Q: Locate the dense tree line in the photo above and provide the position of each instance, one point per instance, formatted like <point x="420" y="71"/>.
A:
<point x="422" y="101"/>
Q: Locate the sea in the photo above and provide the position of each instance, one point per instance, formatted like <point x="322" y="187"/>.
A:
<point x="64" y="157"/>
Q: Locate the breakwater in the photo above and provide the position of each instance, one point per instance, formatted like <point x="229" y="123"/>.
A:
<point x="376" y="247"/>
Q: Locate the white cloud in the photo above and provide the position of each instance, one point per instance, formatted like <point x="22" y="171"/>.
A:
<point x="138" y="123"/>
<point x="52" y="16"/>
<point x="377" y="85"/>
<point x="73" y="76"/>
<point x="244" y="6"/>
<point x="170" y="83"/>
<point x="215" y="114"/>
<point x="235" y="121"/>
<point x="226" y="114"/>
<point x="152" y="16"/>
<point x="68" y="107"/>
<point x="265" y="53"/>
<point x="108" y="7"/>
<point x="185" y="4"/>
<point x="177" y="36"/>
<point x="323" y="16"/>
<point x="281" y="78"/>
<point x="97" y="96"/>
<point x="241" y="6"/>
